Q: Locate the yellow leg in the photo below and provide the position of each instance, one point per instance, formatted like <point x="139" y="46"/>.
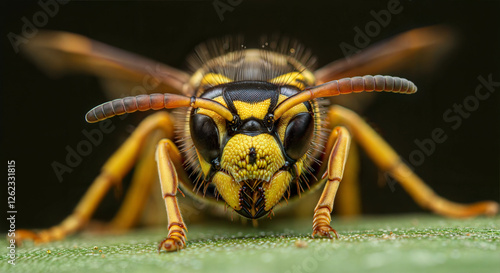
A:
<point x="388" y="161"/>
<point x="348" y="200"/>
<point x="336" y="165"/>
<point x="112" y="174"/>
<point x="166" y="154"/>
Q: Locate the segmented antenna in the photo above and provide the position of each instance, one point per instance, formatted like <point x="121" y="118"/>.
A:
<point x="153" y="102"/>
<point x="366" y="83"/>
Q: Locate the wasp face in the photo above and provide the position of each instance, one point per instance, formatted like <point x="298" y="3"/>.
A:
<point x="252" y="161"/>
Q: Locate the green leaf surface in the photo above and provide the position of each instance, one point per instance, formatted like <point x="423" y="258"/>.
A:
<point x="409" y="243"/>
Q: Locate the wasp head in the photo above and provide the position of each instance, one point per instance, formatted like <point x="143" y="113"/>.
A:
<point x="252" y="159"/>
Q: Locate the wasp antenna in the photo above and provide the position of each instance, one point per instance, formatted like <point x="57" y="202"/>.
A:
<point x="366" y="83"/>
<point x="153" y="102"/>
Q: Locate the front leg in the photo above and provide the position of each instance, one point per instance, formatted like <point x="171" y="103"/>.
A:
<point x="335" y="171"/>
<point x="177" y="230"/>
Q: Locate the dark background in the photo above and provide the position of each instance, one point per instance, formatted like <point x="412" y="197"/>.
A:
<point x="41" y="116"/>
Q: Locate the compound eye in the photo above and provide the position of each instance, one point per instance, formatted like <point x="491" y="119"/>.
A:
<point x="205" y="136"/>
<point x="298" y="135"/>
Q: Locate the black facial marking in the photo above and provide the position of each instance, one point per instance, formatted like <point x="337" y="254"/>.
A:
<point x="252" y="202"/>
<point x="251" y="125"/>
<point x="252" y="155"/>
<point x="249" y="91"/>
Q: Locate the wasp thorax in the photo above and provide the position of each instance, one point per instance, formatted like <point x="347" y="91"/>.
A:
<point x="255" y="158"/>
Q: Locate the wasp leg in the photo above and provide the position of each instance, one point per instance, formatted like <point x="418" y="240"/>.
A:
<point x="388" y="161"/>
<point x="335" y="171"/>
<point x="177" y="230"/>
<point x="111" y="174"/>
<point x="348" y="200"/>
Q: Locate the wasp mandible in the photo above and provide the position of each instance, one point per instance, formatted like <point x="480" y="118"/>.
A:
<point x="253" y="129"/>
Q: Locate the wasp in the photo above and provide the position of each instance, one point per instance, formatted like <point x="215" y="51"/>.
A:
<point x="254" y="129"/>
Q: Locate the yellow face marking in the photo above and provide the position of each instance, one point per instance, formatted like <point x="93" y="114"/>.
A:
<point x="228" y="189"/>
<point x="275" y="189"/>
<point x="205" y="166"/>
<point x="258" y="109"/>
<point x="236" y="159"/>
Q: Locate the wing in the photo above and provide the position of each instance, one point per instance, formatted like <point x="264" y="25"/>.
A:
<point x="417" y="52"/>
<point x="420" y="48"/>
<point x="122" y="73"/>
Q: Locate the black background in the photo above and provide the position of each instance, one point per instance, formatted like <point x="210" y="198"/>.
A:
<point x="41" y="116"/>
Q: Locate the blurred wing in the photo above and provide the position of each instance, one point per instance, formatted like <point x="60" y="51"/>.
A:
<point x="421" y="48"/>
<point x="122" y="73"/>
<point x="414" y="53"/>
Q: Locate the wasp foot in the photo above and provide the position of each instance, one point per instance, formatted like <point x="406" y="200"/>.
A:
<point x="325" y="231"/>
<point x="24" y="234"/>
<point x="171" y="244"/>
<point x="321" y="223"/>
<point x="44" y="236"/>
<point x="175" y="241"/>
